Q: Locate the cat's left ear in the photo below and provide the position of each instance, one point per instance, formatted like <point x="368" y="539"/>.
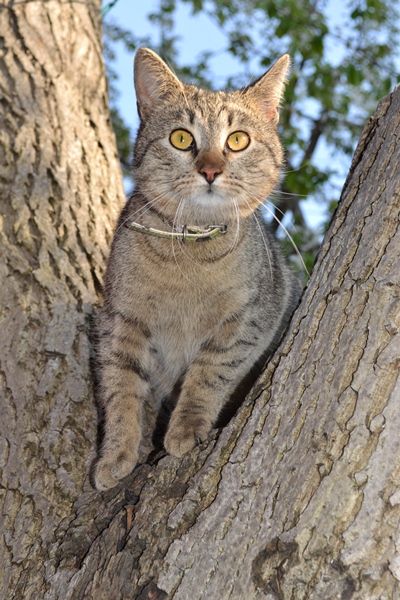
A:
<point x="154" y="82"/>
<point x="267" y="92"/>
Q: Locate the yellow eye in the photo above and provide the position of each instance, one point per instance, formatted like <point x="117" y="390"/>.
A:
<point x="181" y="139"/>
<point x="238" y="141"/>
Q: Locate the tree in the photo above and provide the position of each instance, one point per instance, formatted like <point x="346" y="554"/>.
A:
<point x="298" y="496"/>
<point x="61" y="190"/>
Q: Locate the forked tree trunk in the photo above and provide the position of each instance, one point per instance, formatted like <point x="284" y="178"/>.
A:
<point x="299" y="496"/>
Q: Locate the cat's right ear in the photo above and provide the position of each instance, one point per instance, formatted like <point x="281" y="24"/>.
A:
<point x="154" y="82"/>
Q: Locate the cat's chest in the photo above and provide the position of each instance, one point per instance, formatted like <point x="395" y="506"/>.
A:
<point x="182" y="302"/>
<point x="190" y="309"/>
<point x="183" y="310"/>
<point x="185" y="291"/>
<point x="184" y="321"/>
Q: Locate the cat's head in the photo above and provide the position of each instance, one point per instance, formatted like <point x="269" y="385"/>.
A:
<point x="206" y="154"/>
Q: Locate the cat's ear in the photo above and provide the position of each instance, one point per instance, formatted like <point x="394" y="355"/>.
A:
<point x="154" y="81"/>
<point x="267" y="92"/>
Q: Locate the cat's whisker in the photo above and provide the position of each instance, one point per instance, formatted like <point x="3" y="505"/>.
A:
<point x="263" y="202"/>
<point x="290" y="238"/>
<point x="172" y="241"/>
<point x="274" y="205"/>
<point x="279" y="193"/>
<point x="186" y="100"/>
<point x="236" y="238"/>
<point x="183" y="89"/>
<point x="188" y="257"/>
<point x="262" y="235"/>
<point x="177" y="219"/>
<point x="267" y="201"/>
<point x="142" y="210"/>
<point x="284" y="172"/>
<point x="178" y="215"/>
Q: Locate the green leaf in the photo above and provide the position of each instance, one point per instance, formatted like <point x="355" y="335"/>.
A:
<point x="354" y="75"/>
<point x="317" y="45"/>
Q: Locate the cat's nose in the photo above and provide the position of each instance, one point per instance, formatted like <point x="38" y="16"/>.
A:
<point x="210" y="172"/>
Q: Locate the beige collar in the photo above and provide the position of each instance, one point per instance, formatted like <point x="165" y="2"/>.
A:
<point x="186" y="233"/>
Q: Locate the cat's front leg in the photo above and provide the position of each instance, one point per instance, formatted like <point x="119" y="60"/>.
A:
<point x="124" y="386"/>
<point x="208" y="385"/>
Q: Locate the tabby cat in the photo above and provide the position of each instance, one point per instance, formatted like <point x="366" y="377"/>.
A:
<point x="196" y="290"/>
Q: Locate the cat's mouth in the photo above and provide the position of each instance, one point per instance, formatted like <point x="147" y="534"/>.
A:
<point x="210" y="189"/>
<point x="210" y="197"/>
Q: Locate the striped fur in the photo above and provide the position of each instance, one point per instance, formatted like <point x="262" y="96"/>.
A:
<point x="200" y="313"/>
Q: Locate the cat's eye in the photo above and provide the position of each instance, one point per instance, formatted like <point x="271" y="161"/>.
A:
<point x="181" y="139"/>
<point x="238" y="141"/>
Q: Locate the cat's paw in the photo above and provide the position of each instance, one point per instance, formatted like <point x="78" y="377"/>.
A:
<point x="113" y="467"/>
<point x="181" y="436"/>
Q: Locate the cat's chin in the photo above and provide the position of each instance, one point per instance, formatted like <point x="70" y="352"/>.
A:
<point x="209" y="206"/>
<point x="210" y="197"/>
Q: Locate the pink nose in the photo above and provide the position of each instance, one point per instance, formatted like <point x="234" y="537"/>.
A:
<point x="210" y="172"/>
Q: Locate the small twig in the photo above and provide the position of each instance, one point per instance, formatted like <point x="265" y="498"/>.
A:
<point x="109" y="6"/>
<point x="129" y="517"/>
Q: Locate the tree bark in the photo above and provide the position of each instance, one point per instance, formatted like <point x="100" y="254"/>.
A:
<point x="298" y="497"/>
<point x="61" y="190"/>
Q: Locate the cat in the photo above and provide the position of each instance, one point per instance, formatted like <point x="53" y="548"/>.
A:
<point x="204" y="304"/>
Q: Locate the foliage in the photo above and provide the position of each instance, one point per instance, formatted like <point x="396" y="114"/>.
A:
<point x="341" y="67"/>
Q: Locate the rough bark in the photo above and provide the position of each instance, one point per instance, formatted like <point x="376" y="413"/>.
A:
<point x="60" y="191"/>
<point x="299" y="496"/>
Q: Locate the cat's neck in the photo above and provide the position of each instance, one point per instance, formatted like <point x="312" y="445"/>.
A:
<point x="235" y="231"/>
<point x="149" y="214"/>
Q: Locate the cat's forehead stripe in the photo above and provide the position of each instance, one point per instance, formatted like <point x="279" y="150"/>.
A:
<point x="230" y="115"/>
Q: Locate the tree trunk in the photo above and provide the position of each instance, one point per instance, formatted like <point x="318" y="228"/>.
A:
<point x="61" y="190"/>
<point x="298" y="497"/>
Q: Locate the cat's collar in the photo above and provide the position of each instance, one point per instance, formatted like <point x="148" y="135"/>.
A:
<point x="186" y="233"/>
